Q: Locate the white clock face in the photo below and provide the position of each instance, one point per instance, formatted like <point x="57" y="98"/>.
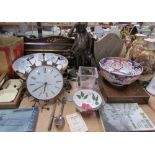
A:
<point x="44" y="82"/>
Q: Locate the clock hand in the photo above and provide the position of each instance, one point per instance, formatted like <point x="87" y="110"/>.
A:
<point x="45" y="87"/>
<point x="37" y="88"/>
<point x="40" y="82"/>
<point x="49" y="84"/>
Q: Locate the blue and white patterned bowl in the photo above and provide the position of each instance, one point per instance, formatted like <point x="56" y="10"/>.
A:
<point x="120" y="71"/>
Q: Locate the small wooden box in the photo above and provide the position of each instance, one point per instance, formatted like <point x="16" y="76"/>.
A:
<point x="16" y="101"/>
<point x="133" y="93"/>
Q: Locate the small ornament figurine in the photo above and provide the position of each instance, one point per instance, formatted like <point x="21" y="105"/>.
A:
<point x="82" y="45"/>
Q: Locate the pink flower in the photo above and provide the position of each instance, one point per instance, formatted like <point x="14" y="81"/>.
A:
<point x="89" y="111"/>
<point x="86" y="106"/>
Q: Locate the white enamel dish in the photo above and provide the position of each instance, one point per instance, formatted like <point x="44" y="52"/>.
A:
<point x="87" y="99"/>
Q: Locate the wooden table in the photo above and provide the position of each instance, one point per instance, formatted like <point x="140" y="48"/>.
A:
<point x="93" y="122"/>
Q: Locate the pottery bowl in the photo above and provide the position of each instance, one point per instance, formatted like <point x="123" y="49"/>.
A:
<point x="87" y="100"/>
<point x="120" y="71"/>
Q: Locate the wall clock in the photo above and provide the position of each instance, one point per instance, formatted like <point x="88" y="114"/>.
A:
<point x="44" y="82"/>
<point x="43" y="73"/>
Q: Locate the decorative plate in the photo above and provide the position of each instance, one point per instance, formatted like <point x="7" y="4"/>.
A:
<point x="87" y="99"/>
<point x="26" y="63"/>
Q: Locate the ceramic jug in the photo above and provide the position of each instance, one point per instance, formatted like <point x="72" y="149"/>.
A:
<point x="143" y="52"/>
<point x="136" y="46"/>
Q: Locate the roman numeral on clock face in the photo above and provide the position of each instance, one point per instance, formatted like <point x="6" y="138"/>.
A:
<point x="52" y="92"/>
<point x="56" y="75"/>
<point x="44" y="70"/>
<point x="46" y="94"/>
<point x="40" y="93"/>
<point x="32" y="77"/>
<point x="58" y="81"/>
<point x="32" y="84"/>
<point x="57" y="87"/>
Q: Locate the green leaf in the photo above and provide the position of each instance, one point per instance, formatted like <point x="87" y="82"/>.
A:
<point x="82" y="94"/>
<point x="85" y="97"/>
<point x="97" y="98"/>
<point x="78" y="96"/>
<point x="93" y="96"/>
<point x="54" y="64"/>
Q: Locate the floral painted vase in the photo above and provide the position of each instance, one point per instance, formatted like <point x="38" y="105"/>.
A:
<point x="143" y="52"/>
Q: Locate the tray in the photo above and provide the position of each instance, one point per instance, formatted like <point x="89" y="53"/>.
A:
<point x="133" y="93"/>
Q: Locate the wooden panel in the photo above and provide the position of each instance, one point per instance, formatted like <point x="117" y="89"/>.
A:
<point x="49" y="43"/>
<point x="3" y="63"/>
<point x="53" y="44"/>
<point x="132" y="93"/>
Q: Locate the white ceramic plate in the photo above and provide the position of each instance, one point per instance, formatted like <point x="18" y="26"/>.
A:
<point x="87" y="99"/>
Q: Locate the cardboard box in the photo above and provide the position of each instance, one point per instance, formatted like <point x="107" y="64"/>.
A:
<point x="11" y="48"/>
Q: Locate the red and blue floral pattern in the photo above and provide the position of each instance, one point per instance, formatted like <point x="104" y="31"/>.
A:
<point x="119" y="70"/>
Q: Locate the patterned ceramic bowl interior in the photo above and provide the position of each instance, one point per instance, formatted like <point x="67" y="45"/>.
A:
<point x="120" y="71"/>
<point x="87" y="99"/>
<point x="25" y="63"/>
